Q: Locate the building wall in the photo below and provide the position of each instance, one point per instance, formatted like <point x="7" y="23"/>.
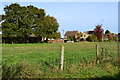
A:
<point x="84" y="36"/>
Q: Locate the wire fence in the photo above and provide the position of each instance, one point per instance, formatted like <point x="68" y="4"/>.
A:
<point x="50" y="55"/>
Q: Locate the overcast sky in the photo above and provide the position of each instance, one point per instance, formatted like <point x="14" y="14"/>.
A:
<point x="80" y="16"/>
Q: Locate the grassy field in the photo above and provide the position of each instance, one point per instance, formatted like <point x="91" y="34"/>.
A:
<point x="42" y="60"/>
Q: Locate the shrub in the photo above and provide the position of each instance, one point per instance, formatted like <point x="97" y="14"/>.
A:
<point x="92" y="38"/>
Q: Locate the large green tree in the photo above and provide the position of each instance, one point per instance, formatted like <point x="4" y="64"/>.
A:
<point x="51" y="27"/>
<point x="19" y="20"/>
<point x="47" y="27"/>
<point x="10" y="24"/>
<point x="22" y="21"/>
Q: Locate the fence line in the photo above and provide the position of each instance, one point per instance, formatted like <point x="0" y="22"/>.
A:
<point x="62" y="58"/>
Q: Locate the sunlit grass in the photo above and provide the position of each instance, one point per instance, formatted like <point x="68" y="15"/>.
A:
<point x="79" y="58"/>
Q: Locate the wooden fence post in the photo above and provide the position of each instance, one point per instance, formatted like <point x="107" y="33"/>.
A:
<point x="103" y="53"/>
<point x="62" y="57"/>
<point x="97" y="52"/>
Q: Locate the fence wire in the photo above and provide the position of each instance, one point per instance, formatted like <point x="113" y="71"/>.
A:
<point x="48" y="55"/>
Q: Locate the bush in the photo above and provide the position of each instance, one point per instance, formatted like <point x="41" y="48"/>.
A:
<point x="92" y="38"/>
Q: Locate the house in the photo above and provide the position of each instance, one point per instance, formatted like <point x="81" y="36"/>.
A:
<point x="86" y="34"/>
<point x="106" y="37"/>
<point x="70" y="33"/>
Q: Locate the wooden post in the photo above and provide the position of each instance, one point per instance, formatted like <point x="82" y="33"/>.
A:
<point x="97" y="52"/>
<point x="62" y="57"/>
<point x="103" y="53"/>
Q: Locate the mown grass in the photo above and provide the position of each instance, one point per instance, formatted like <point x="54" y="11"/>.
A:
<point x="44" y="60"/>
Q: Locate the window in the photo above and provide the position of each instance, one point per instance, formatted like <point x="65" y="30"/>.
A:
<point x="84" y="35"/>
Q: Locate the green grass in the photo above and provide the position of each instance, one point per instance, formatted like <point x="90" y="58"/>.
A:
<point x="79" y="59"/>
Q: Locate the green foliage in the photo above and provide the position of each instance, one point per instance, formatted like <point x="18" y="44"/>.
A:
<point x="56" y="35"/>
<point x="49" y="27"/>
<point x="79" y="35"/>
<point x="68" y="38"/>
<point x="107" y="32"/>
<point x="71" y="38"/>
<point x="0" y="28"/>
<point x="89" y="38"/>
<point x="92" y="38"/>
<point x="118" y="34"/>
<point x="22" y="21"/>
<point x="114" y="38"/>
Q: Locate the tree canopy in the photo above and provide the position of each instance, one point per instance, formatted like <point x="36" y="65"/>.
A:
<point x="98" y="31"/>
<point x="107" y="32"/>
<point x="22" y="21"/>
<point x="92" y="38"/>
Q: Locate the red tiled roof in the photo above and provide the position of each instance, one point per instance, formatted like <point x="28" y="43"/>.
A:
<point x="68" y="33"/>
